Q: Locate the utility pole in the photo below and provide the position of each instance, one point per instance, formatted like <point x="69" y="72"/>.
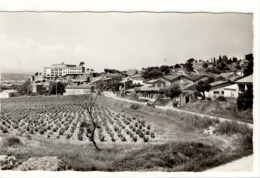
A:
<point x="165" y="61"/>
<point x="56" y="84"/>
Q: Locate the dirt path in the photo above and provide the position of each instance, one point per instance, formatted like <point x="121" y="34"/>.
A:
<point x="111" y="95"/>
<point x="244" y="164"/>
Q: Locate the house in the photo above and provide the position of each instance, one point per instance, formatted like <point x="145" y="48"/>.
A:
<point x="231" y="91"/>
<point x="8" y="93"/>
<point x="137" y="79"/>
<point x="78" y="89"/>
<point x="159" y="82"/>
<point x="218" y="89"/>
<point x="245" y="83"/>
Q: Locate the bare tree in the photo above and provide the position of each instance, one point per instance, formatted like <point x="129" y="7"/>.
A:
<point x="93" y="124"/>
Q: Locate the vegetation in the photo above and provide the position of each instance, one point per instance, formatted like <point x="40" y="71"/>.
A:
<point x="56" y="88"/>
<point x="216" y="108"/>
<point x="172" y="92"/>
<point x="202" y="87"/>
<point x="170" y="141"/>
<point x="245" y="100"/>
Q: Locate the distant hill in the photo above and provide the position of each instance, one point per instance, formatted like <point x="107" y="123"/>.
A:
<point x="5" y="70"/>
<point x="12" y="76"/>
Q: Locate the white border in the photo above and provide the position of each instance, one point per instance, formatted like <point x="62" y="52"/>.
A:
<point x="245" y="6"/>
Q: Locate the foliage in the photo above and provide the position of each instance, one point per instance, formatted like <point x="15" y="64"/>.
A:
<point x="205" y="65"/>
<point x="202" y="87"/>
<point x="177" y="66"/>
<point x="173" y="92"/>
<point x="221" y="98"/>
<point x="250" y="66"/>
<point x="111" y="71"/>
<point x="56" y="87"/>
<point x="25" y="88"/>
<point x="245" y="100"/>
<point x="189" y="65"/>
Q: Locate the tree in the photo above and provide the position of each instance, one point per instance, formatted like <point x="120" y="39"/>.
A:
<point x="88" y="80"/>
<point x="25" y="88"/>
<point x="173" y="92"/>
<point x="92" y="124"/>
<point x="245" y="100"/>
<point x="234" y="59"/>
<point x="202" y="87"/>
<point x="60" y="88"/>
<point x="189" y="67"/>
<point x="250" y="66"/>
<point x="205" y="65"/>
<point x="81" y="63"/>
<point x="177" y="66"/>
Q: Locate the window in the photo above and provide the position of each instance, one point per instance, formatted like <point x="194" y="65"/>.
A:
<point x="222" y="92"/>
<point x="216" y="92"/>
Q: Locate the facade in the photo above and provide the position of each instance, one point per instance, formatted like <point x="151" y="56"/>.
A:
<point x="8" y="93"/>
<point x="219" y="88"/>
<point x="78" y="90"/>
<point x="231" y="91"/>
<point x="61" y="70"/>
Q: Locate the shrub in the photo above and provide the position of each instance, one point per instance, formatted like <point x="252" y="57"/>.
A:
<point x="228" y="127"/>
<point x="221" y="98"/>
<point x="12" y="142"/>
<point x="135" y="106"/>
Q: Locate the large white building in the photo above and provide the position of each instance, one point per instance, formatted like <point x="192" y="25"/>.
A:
<point x="62" y="69"/>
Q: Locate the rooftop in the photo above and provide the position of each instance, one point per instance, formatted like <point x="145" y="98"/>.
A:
<point x="248" y="79"/>
<point x="10" y="91"/>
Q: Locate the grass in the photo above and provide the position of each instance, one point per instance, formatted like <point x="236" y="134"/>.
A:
<point x="172" y="156"/>
<point x="182" y="147"/>
<point x="226" y="109"/>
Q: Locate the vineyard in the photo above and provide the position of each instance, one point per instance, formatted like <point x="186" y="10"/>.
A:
<point x="65" y="118"/>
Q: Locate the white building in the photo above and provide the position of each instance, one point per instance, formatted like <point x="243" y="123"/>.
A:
<point x="62" y="69"/>
<point x="8" y="93"/>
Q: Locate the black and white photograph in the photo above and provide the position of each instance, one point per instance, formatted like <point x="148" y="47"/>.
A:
<point x="127" y="91"/>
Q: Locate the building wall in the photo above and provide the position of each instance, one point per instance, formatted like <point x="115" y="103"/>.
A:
<point x="76" y="91"/>
<point x="61" y="70"/>
<point x="231" y="91"/>
<point x="4" y="95"/>
<point x="141" y="82"/>
<point x="215" y="93"/>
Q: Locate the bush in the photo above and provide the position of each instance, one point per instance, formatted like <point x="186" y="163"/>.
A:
<point x="221" y="98"/>
<point x="228" y="127"/>
<point x="135" y="106"/>
<point x="245" y="100"/>
<point x="12" y="142"/>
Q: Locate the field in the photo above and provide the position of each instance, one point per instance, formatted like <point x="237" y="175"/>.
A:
<point x="132" y="137"/>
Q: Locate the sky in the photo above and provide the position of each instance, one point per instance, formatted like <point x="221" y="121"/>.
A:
<point x="122" y="41"/>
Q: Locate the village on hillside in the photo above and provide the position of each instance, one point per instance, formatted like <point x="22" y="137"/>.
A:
<point x="221" y="78"/>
